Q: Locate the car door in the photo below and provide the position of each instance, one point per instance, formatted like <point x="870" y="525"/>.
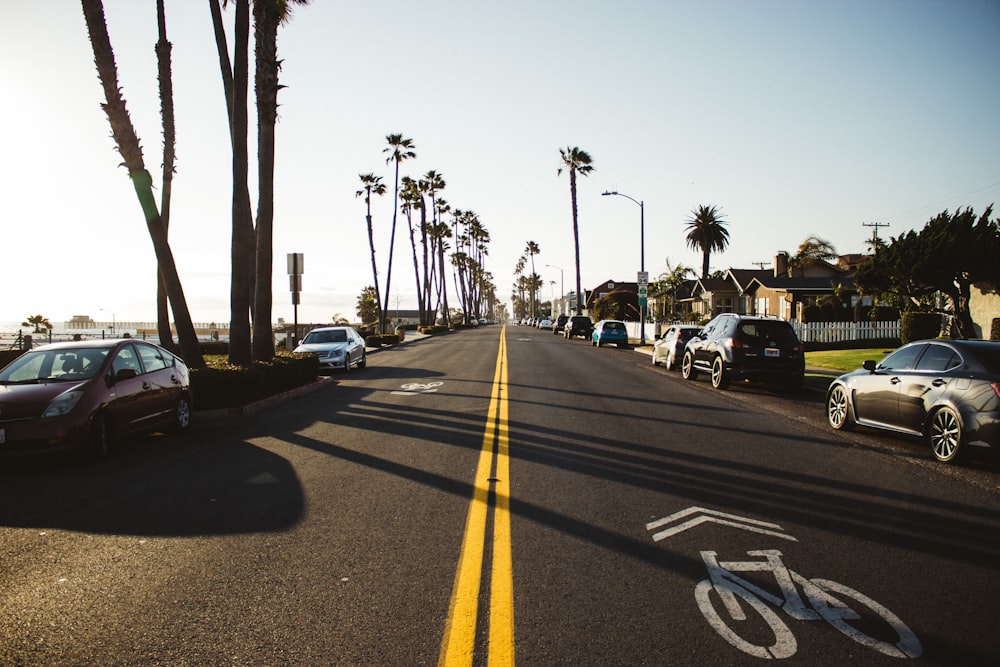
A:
<point x="162" y="383"/>
<point x="928" y="380"/>
<point x="876" y="396"/>
<point x="128" y="393"/>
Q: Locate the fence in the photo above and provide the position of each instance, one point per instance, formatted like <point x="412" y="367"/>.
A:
<point x="836" y="332"/>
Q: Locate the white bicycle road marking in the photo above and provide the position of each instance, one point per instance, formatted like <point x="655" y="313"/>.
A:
<point x="419" y="387"/>
<point x="822" y="605"/>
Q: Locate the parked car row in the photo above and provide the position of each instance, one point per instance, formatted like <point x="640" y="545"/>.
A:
<point x="944" y="391"/>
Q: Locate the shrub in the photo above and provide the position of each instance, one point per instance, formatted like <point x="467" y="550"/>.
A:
<point x="919" y="326"/>
<point x="220" y="385"/>
<point x="995" y="329"/>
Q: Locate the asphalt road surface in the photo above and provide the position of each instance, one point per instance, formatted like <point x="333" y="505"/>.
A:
<point x="504" y="496"/>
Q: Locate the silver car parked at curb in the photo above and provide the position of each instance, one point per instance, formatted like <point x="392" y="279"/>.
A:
<point x="336" y="347"/>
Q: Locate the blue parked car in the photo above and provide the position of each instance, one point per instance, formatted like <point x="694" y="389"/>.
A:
<point x="609" y="331"/>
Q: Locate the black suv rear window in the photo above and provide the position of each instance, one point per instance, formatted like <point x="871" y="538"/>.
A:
<point x="776" y="330"/>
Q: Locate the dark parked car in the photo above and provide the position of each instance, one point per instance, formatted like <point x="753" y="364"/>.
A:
<point x="609" y="331"/>
<point x="336" y="347"/>
<point x="559" y="324"/>
<point x="668" y="349"/>
<point x="578" y="325"/>
<point x="81" y="395"/>
<point x="742" y="347"/>
<point x="946" y="391"/>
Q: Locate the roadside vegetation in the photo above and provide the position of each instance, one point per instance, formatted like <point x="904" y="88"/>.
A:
<point x="845" y="360"/>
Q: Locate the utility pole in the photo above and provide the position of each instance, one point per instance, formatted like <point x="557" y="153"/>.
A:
<point x="874" y="226"/>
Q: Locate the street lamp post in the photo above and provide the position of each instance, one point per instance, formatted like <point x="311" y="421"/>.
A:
<point x="562" y="289"/>
<point x="105" y="310"/>
<point x="642" y="257"/>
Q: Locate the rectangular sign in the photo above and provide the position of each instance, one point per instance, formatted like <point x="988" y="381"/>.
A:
<point x="296" y="263"/>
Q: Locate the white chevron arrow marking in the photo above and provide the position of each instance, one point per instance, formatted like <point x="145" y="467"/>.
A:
<point x="713" y="516"/>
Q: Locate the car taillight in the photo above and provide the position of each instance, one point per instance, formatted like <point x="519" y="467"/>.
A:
<point x="996" y="388"/>
<point x="734" y="343"/>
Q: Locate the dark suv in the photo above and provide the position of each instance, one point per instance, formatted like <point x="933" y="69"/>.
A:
<point x="578" y="325"/>
<point x="742" y="347"/>
<point x="559" y="324"/>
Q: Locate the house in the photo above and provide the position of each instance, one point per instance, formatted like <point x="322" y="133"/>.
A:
<point x="787" y="291"/>
<point x="984" y="306"/>
<point x="609" y="286"/>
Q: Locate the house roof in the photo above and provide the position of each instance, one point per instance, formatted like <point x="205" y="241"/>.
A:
<point x="742" y="277"/>
<point x="798" y="284"/>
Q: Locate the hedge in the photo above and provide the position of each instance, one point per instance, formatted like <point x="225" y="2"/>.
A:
<point x="918" y="326"/>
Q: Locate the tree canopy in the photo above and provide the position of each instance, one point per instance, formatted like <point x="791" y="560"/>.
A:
<point x="949" y="255"/>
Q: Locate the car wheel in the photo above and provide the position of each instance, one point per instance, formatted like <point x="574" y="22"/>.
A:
<point x="182" y="414"/>
<point x="838" y="409"/>
<point x="720" y="377"/>
<point x="653" y="357"/>
<point x="671" y="362"/>
<point x="687" y="367"/>
<point x="347" y="362"/>
<point x="364" y="360"/>
<point x="99" y="442"/>
<point x="945" y="435"/>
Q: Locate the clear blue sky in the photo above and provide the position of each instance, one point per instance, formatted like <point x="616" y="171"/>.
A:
<point x="795" y="118"/>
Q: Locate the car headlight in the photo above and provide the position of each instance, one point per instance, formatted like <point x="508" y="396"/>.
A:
<point x="63" y="403"/>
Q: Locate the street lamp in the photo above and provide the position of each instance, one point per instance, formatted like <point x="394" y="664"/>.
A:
<point x="562" y="290"/>
<point x="105" y="310"/>
<point x="642" y="258"/>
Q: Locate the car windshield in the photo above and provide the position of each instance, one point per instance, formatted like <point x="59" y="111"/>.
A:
<point x="334" y="336"/>
<point x="66" y="364"/>
<point x="685" y="334"/>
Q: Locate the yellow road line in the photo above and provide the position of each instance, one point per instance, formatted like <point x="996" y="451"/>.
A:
<point x="460" y="629"/>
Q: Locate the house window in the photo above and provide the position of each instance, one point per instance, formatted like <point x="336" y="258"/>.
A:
<point x="762" y="306"/>
<point x="724" y="304"/>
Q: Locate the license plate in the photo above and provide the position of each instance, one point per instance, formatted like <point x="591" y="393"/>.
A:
<point x="772" y="352"/>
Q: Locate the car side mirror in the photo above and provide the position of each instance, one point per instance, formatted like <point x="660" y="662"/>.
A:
<point x="869" y="365"/>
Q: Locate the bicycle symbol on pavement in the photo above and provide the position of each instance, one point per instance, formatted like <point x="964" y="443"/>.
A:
<point x="719" y="596"/>
<point x="419" y="387"/>
<point x="821" y="602"/>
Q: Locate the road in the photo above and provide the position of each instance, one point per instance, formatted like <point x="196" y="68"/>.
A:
<point x="503" y="496"/>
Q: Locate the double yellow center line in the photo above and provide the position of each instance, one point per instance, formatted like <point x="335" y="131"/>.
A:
<point x="493" y="470"/>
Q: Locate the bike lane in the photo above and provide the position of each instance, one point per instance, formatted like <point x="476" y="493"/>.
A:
<point x="638" y="502"/>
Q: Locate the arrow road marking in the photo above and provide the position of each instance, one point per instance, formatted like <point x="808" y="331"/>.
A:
<point x="713" y="516"/>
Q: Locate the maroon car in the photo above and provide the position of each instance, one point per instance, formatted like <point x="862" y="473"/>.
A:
<point x="79" y="396"/>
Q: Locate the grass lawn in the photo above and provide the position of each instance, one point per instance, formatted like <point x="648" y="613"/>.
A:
<point x="845" y="360"/>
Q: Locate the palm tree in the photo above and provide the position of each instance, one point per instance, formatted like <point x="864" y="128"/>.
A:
<point x="40" y="323"/>
<point x="399" y="149"/>
<point x="165" y="80"/>
<point x="431" y="184"/>
<point x="576" y="162"/>
<point x="235" y="83"/>
<point x="530" y="251"/>
<point x="706" y="231"/>
<point x="413" y="198"/>
<point x="371" y="184"/>
<point x="813" y="249"/>
<point x="129" y="147"/>
<point x="268" y="15"/>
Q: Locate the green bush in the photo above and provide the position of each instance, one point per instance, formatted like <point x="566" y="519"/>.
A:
<point x="919" y="326"/>
<point x="220" y="385"/>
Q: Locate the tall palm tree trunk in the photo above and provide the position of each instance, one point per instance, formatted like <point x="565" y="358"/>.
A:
<point x="576" y="241"/>
<point x="165" y="79"/>
<point x="128" y="145"/>
<point x="235" y="81"/>
<point x="267" y="16"/>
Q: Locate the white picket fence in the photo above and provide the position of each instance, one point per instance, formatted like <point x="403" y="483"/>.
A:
<point x="835" y="332"/>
